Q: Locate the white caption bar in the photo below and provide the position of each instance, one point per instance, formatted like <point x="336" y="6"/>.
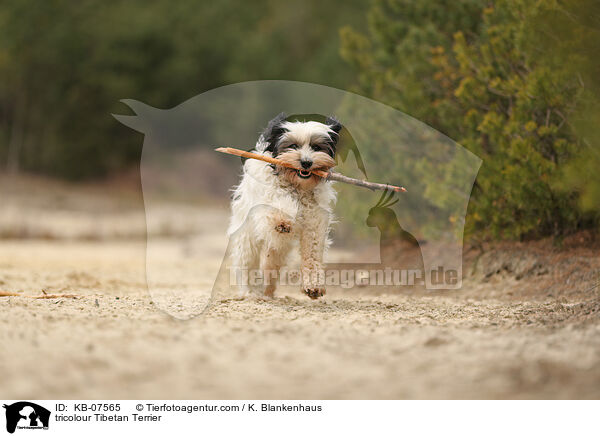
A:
<point x="159" y="417"/>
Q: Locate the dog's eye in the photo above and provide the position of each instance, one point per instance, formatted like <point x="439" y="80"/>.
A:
<point x="293" y="146"/>
<point x="315" y="147"/>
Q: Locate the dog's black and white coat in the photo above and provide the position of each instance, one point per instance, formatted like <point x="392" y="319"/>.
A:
<point x="276" y="208"/>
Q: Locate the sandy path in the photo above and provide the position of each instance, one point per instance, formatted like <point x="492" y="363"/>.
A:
<point x="114" y="343"/>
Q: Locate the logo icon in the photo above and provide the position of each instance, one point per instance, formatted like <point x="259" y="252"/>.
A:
<point x="26" y="415"/>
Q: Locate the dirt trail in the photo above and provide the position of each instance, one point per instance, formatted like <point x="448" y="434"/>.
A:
<point x="113" y="342"/>
<point x="496" y="338"/>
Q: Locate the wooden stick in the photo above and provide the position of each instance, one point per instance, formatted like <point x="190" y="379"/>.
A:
<point x="44" y="295"/>
<point x="327" y="175"/>
<point x="369" y="185"/>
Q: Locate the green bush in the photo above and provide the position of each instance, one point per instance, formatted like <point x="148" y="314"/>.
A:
<point x="511" y="81"/>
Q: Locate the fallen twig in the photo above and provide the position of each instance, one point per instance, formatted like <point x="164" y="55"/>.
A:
<point x="44" y="295"/>
<point x="328" y="175"/>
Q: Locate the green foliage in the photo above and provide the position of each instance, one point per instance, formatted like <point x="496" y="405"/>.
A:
<point x="516" y="82"/>
<point x="509" y="84"/>
<point x="65" y="65"/>
<point x="569" y="37"/>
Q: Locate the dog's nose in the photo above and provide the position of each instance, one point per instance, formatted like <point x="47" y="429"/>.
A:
<point x="306" y="163"/>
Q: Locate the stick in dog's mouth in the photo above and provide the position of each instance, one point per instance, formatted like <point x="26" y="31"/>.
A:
<point x="325" y="173"/>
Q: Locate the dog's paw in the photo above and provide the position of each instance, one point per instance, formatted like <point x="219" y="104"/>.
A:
<point x="283" y="227"/>
<point x="314" y="293"/>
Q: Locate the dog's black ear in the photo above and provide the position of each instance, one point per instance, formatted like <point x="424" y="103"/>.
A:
<point x="333" y="123"/>
<point x="274" y="131"/>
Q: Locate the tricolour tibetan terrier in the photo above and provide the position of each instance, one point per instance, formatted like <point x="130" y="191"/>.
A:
<point x="276" y="208"/>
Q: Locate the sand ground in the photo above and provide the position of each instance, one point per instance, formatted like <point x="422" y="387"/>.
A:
<point x="489" y="340"/>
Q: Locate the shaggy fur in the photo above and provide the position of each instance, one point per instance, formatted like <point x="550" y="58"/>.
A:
<point x="275" y="209"/>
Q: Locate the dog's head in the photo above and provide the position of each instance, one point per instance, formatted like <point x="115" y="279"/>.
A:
<point x="306" y="145"/>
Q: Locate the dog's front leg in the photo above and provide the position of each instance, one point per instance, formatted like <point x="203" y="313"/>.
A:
<point x="279" y="233"/>
<point x="314" y="228"/>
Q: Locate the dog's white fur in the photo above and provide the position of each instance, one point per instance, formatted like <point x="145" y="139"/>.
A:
<point x="274" y="210"/>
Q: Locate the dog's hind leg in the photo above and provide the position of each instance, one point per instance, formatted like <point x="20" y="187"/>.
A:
<point x="244" y="261"/>
<point x="271" y="261"/>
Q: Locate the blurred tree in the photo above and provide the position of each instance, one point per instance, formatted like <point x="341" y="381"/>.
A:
<point x="489" y="77"/>
<point x="394" y="61"/>
<point x="65" y="66"/>
<point x="567" y="38"/>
